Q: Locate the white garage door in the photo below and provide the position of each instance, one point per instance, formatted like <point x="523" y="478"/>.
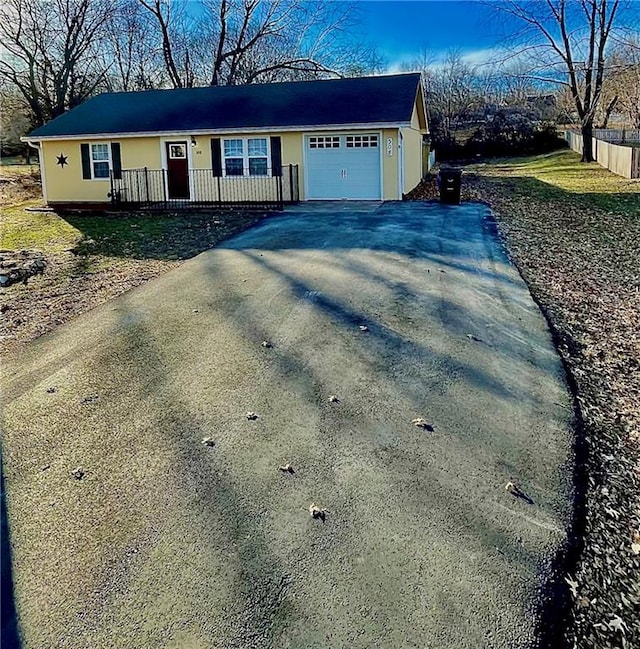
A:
<point x="343" y="166"/>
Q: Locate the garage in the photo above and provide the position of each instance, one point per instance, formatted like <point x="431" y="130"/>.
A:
<point x="343" y="166"/>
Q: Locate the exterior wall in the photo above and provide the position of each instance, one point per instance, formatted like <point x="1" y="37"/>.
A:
<point x="414" y="150"/>
<point x="66" y="185"/>
<point x="390" y="164"/>
<point x="413" y="158"/>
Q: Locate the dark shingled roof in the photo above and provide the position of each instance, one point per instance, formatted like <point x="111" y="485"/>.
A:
<point x="386" y="99"/>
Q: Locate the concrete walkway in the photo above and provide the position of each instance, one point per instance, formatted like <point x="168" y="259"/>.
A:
<point x="166" y="542"/>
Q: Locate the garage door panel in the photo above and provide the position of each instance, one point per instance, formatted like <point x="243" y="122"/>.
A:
<point x="336" y="171"/>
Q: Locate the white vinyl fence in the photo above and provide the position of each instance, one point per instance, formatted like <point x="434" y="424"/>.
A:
<point x="617" y="135"/>
<point x="619" y="158"/>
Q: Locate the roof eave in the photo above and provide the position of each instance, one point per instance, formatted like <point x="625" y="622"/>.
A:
<point x="217" y="131"/>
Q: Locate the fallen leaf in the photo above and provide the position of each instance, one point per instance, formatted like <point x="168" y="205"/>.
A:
<point x="423" y="423"/>
<point x="617" y="624"/>
<point x="317" y="512"/>
<point x="573" y="585"/>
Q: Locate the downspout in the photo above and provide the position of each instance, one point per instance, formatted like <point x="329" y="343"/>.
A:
<point x="400" y="165"/>
<point x="36" y="144"/>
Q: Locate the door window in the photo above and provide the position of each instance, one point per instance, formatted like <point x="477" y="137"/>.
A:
<point x="324" y="142"/>
<point x="362" y="141"/>
<point x="177" y="151"/>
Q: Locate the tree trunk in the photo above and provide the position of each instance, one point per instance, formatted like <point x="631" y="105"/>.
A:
<point x="607" y="113"/>
<point x="587" y="141"/>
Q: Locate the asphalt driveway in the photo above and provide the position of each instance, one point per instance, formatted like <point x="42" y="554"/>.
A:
<point x="163" y="541"/>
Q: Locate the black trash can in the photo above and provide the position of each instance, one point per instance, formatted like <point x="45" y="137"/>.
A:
<point x="450" y="182"/>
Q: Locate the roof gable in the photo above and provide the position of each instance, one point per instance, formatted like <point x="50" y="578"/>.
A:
<point x="363" y="100"/>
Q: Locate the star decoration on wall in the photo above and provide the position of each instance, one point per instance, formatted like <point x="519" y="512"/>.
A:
<point x="62" y="160"/>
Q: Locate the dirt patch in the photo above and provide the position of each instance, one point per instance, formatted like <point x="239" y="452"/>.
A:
<point x="582" y="265"/>
<point x="77" y="280"/>
<point x="90" y="258"/>
<point x="19" y="183"/>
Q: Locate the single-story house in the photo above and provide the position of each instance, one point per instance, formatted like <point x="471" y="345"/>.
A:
<point x="361" y="138"/>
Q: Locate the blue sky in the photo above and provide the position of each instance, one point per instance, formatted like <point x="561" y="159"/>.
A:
<point x="401" y="28"/>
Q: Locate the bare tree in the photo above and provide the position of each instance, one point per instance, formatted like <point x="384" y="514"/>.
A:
<point x="131" y="51"/>
<point x="621" y="90"/>
<point x="49" y="51"/>
<point x="176" y="26"/>
<point x="227" y="42"/>
<point x="453" y="89"/>
<point x="568" y="41"/>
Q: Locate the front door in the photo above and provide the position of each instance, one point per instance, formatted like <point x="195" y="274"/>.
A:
<point x="177" y="170"/>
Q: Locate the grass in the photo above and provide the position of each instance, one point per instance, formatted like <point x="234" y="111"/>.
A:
<point x="560" y="176"/>
<point x="134" y="236"/>
<point x="92" y="258"/>
<point x="42" y="230"/>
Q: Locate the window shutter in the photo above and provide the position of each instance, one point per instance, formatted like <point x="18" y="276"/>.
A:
<point x="216" y="156"/>
<point x="276" y="155"/>
<point x="116" y="160"/>
<point x="86" y="161"/>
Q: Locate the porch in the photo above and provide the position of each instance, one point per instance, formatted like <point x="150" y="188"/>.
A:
<point x="154" y="188"/>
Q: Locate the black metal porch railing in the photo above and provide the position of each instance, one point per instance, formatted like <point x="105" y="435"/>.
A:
<point x="153" y="188"/>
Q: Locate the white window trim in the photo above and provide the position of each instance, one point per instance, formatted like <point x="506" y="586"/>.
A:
<point x="108" y="160"/>
<point x="246" y="157"/>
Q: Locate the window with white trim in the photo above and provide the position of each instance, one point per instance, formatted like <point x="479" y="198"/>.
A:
<point x="362" y="141"/>
<point x="324" y="142"/>
<point x="100" y="161"/>
<point x="248" y="156"/>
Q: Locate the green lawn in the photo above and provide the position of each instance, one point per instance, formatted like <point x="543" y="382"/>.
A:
<point x="561" y="176"/>
<point x="135" y="236"/>
<point x="43" y="230"/>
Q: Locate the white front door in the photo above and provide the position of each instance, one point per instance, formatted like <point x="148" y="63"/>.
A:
<point x="343" y="166"/>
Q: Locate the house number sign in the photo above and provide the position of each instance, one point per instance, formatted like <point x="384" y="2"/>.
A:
<point x="389" y="146"/>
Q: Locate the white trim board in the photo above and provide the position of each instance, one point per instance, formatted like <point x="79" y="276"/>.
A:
<point x="218" y="131"/>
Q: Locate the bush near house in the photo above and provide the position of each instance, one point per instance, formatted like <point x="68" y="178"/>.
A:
<point x="502" y="132"/>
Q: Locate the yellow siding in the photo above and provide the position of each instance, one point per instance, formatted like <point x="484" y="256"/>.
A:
<point x="415" y="121"/>
<point x="65" y="184"/>
<point x="413" y="147"/>
<point x="412" y="142"/>
<point x="140" y="152"/>
<point x="390" y="164"/>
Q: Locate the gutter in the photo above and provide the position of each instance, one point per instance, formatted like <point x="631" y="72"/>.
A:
<point x="217" y="131"/>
